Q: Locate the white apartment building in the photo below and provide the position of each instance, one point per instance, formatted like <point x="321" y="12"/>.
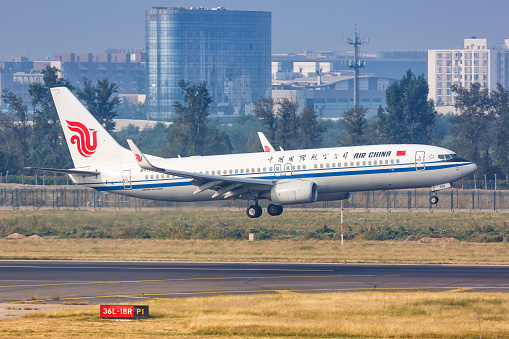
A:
<point x="478" y="61"/>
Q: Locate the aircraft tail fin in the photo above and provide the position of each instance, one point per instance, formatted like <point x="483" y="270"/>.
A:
<point x="267" y="147"/>
<point x="88" y="141"/>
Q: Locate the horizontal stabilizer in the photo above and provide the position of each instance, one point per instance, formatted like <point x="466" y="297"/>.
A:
<point x="65" y="171"/>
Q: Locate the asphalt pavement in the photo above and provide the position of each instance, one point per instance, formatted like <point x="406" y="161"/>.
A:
<point x="106" y="282"/>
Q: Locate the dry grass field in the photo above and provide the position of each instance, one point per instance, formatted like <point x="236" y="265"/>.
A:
<point x="329" y="315"/>
<point x="397" y="252"/>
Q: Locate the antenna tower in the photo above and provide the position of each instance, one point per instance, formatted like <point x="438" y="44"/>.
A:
<point x="356" y="41"/>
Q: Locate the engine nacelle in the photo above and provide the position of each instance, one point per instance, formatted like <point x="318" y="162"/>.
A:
<point x="294" y="192"/>
<point x="334" y="196"/>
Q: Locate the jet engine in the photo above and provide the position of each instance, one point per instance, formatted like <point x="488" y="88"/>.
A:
<point x="294" y="192"/>
<point x="334" y="196"/>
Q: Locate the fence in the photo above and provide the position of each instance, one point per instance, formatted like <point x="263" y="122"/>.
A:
<point x="79" y="197"/>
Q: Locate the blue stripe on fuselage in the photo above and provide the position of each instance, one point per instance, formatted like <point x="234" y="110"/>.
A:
<point x="315" y="173"/>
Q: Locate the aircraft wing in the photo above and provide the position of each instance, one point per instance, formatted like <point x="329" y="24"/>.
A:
<point x="228" y="186"/>
<point x="66" y="171"/>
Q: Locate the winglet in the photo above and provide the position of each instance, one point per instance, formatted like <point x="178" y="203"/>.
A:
<point x="142" y="159"/>
<point x="267" y="147"/>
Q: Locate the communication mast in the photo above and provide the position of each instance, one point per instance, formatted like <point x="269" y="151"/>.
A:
<point x="356" y="41"/>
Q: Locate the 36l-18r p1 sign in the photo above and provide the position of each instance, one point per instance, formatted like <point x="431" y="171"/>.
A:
<point x="124" y="311"/>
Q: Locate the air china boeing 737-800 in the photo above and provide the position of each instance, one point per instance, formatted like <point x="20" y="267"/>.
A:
<point x="283" y="177"/>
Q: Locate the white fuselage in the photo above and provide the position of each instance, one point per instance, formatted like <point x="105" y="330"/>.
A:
<point x="334" y="170"/>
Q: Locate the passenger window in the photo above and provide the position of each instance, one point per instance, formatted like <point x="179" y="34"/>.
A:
<point x="213" y="172"/>
<point x="157" y="176"/>
<point x="327" y="165"/>
<point x="146" y="177"/>
<point x="351" y="163"/>
<point x="236" y="170"/>
<point x="298" y="167"/>
<point x="386" y="162"/>
<point x="241" y="170"/>
<point x="252" y="170"/>
<point x="369" y="162"/>
<point x="392" y="161"/>
<point x="316" y="166"/>
<point x="303" y="166"/>
<point x="270" y="169"/>
<point x="265" y="170"/>
<point x="151" y="176"/>
<point x="258" y="169"/>
<point x="321" y="165"/>
<point x="231" y="172"/>
<point x="358" y="163"/>
<point x="206" y="172"/>
<point x="363" y="163"/>
<point x="339" y="164"/>
<point x="376" y="162"/>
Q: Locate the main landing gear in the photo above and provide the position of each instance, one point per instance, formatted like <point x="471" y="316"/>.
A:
<point x="254" y="211"/>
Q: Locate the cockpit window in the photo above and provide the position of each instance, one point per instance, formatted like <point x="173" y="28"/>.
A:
<point x="447" y="156"/>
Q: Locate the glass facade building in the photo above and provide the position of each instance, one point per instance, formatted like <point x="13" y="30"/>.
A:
<point x="229" y="50"/>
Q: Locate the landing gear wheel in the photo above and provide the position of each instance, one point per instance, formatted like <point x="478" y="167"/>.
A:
<point x="274" y="210"/>
<point x="254" y="211"/>
<point x="433" y="200"/>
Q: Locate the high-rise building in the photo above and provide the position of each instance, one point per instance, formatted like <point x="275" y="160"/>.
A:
<point x="123" y="67"/>
<point x="479" y="60"/>
<point x="229" y="50"/>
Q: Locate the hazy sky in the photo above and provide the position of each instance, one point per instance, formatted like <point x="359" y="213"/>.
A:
<point x="44" y="27"/>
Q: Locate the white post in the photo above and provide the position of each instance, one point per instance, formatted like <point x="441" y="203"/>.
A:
<point x="341" y="222"/>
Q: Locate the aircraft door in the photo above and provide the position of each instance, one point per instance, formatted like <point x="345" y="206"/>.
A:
<point x="420" y="164"/>
<point x="288" y="169"/>
<point x="278" y="170"/>
<point x="126" y="180"/>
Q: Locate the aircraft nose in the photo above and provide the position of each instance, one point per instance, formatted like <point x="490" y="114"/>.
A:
<point x="469" y="169"/>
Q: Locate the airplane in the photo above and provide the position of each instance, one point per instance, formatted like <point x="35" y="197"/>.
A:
<point x="283" y="177"/>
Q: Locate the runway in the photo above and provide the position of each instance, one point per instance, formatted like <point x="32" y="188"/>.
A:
<point x="107" y="282"/>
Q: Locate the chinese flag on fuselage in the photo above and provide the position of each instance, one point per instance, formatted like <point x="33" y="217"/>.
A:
<point x="400" y="153"/>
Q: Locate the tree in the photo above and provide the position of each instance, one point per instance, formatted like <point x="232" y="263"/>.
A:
<point x="287" y="134"/>
<point x="500" y="98"/>
<point x="311" y="129"/>
<point x="472" y="125"/>
<point x="191" y="133"/>
<point x="355" y="122"/>
<point x="17" y="130"/>
<point x="100" y="101"/>
<point x="410" y="115"/>
<point x="264" y="110"/>
<point x="48" y="148"/>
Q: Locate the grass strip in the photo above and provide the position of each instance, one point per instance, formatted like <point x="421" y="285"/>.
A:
<point x="338" y="315"/>
<point x="234" y="225"/>
<point x="318" y="251"/>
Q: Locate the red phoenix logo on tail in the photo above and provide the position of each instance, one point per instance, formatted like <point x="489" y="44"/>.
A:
<point x="85" y="139"/>
<point x="138" y="157"/>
